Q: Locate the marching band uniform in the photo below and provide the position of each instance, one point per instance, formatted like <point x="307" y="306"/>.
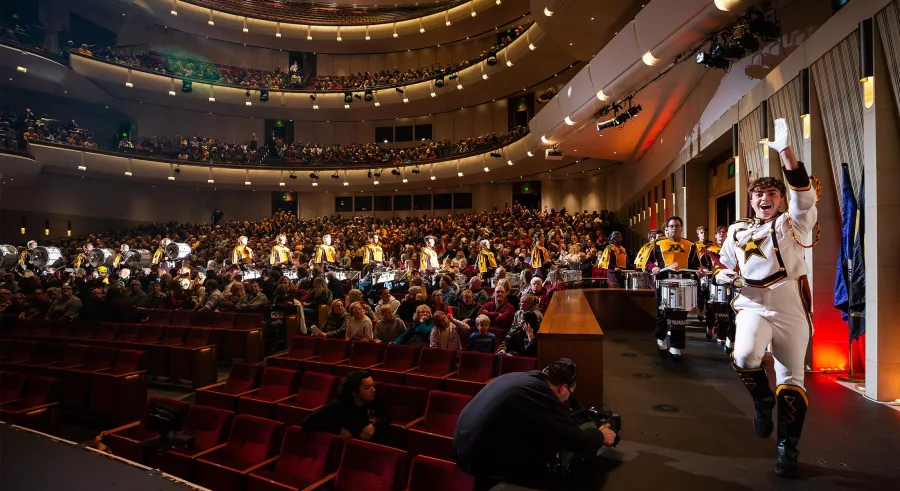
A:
<point x="81" y="261"/>
<point x="772" y="307"/>
<point x="486" y="261"/>
<point x="280" y="255"/>
<point x="640" y="260"/>
<point x="718" y="315"/>
<point x="241" y="255"/>
<point x="373" y="253"/>
<point x="614" y="256"/>
<point x="666" y="252"/>
<point x="540" y="260"/>
<point x="118" y="260"/>
<point x="324" y="254"/>
<point x="703" y="296"/>
<point x="428" y="259"/>
<point x="158" y="255"/>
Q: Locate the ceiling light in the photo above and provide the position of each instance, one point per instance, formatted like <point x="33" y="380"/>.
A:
<point x="601" y="95"/>
<point x="529" y="153"/>
<point x="509" y="162"/>
<point x="460" y="174"/>
<point x="172" y="92"/>
<point x="433" y="178"/>
<point x="21" y="69"/>
<point x="377" y="104"/>
<point x="396" y="35"/>
<point x="346" y="183"/>
<point x="174" y="12"/>
<point x="649" y="59"/>
<point x="548" y="12"/>
<point x="346" y="106"/>
<point x="129" y="84"/>
<point x="81" y="167"/>
<point x="247" y="183"/>
<point x="210" y="22"/>
<point x="405" y="180"/>
<point x="725" y="5"/>
<point x="544" y="139"/>
<point x="422" y="30"/>
<point x="459" y="86"/>
<point x="532" y="47"/>
<point x="487" y="169"/>
<point x="405" y="99"/>
<point x="171" y="178"/>
<point x="569" y="121"/>
<point x="315" y="106"/>
<point x="484" y="76"/>
<point x="248" y="103"/>
<point x="211" y="181"/>
<point x="281" y="183"/>
<point x="212" y="99"/>
<point x="433" y="94"/>
<point x="499" y="2"/>
<point x="315" y="184"/>
<point x="128" y="173"/>
<point x="245" y="29"/>
<point x="509" y="63"/>
<point x="278" y="34"/>
<point x="447" y="23"/>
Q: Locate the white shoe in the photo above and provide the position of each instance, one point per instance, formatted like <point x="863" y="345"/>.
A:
<point x="728" y="343"/>
<point x="662" y="344"/>
<point x="675" y="352"/>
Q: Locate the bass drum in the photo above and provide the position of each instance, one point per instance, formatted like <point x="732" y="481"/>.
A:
<point x="102" y="257"/>
<point x="46" y="257"/>
<point x="178" y="251"/>
<point x="138" y="258"/>
<point x="10" y="257"/>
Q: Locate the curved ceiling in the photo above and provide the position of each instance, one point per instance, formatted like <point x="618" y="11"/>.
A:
<point x="584" y="27"/>
<point x="425" y="31"/>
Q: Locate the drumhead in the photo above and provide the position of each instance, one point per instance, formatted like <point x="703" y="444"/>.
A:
<point x="46" y="257"/>
<point x="178" y="251"/>
<point x="9" y="258"/>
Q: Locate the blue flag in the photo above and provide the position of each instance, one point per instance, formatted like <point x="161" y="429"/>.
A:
<point x="843" y="281"/>
<point x="858" y="270"/>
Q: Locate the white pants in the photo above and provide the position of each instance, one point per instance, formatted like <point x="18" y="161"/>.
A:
<point x="774" y="314"/>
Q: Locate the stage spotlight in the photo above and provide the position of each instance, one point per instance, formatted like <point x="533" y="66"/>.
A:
<point x="312" y="97"/>
<point x="335" y="175"/>
<point x="263" y="95"/>
<point x="399" y="90"/>
<point x="293" y="175"/>
<point x="748" y="41"/>
<point x="492" y="60"/>
<point x="439" y="82"/>
<point x="313" y="175"/>
<point x="348" y="97"/>
<point x="496" y="155"/>
<point x="733" y="52"/>
<point x="453" y="76"/>
<point x="395" y="172"/>
<point x="765" y="29"/>
<point x="186" y="86"/>
<point x="705" y="58"/>
<point x="368" y="95"/>
<point x="416" y="170"/>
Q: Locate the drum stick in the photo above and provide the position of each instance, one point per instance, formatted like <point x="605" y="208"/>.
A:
<point x="669" y="267"/>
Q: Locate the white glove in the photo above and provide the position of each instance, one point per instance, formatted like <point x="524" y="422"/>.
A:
<point x="781" y="136"/>
<point x="726" y="276"/>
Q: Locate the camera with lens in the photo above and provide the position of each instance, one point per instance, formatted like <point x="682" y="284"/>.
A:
<point x="563" y="463"/>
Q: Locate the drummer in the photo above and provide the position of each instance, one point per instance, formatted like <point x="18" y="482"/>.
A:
<point x="540" y="258"/>
<point x="281" y="254"/>
<point x="119" y="260"/>
<point x="613" y="259"/>
<point x="641" y="259"/>
<point x="703" y="301"/>
<point x="719" y="316"/>
<point x="428" y="259"/>
<point x="373" y="253"/>
<point x="325" y="255"/>
<point x="24" y="255"/>
<point x="241" y="254"/>
<point x="82" y="261"/>
<point x="160" y="255"/>
<point x="485" y="263"/>
<point x="675" y="252"/>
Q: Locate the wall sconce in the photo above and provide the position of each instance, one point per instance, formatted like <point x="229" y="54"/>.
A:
<point x="805" y="102"/>
<point x="22" y="229"/>
<point x="47" y="227"/>
<point x="867" y="61"/>
<point x="69" y="228"/>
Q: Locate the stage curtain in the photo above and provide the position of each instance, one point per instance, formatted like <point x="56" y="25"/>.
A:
<point x="751" y="149"/>
<point x="836" y="76"/>
<point x="888" y="21"/>
<point x="786" y="104"/>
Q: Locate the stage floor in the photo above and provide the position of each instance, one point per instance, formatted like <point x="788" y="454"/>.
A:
<point x="708" y="441"/>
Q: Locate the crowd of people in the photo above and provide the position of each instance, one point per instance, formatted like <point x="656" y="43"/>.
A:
<point x="17" y="130"/>
<point x="292" y="78"/>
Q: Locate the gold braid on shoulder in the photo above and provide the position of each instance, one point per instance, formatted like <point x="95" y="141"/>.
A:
<point x="817" y="230"/>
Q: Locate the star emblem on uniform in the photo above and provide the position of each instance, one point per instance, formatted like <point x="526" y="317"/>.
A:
<point x="752" y="248"/>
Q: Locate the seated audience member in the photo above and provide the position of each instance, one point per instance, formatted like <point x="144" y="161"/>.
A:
<point x="410" y="304"/>
<point x="511" y="295"/>
<point x="355" y="296"/>
<point x="482" y="341"/>
<point x="386" y="299"/>
<point x="357" y="412"/>
<point x="389" y="326"/>
<point x="37" y="303"/>
<point x="211" y="298"/>
<point x="467" y="308"/>
<point x="66" y="306"/>
<point x="438" y="304"/>
<point x="522" y="340"/>
<point x="526" y="304"/>
<point x="255" y="301"/>
<point x="499" y="310"/>
<point x="448" y="289"/>
<point x="359" y="327"/>
<point x="444" y="335"/>
<point x="420" y="332"/>
<point x="556" y="282"/>
<point x="320" y="295"/>
<point x="466" y="269"/>
<point x="137" y="295"/>
<point x="334" y="285"/>
<point x="231" y="299"/>
<point x="93" y="308"/>
<point x="535" y="286"/>
<point x="336" y="324"/>
<point x="481" y="296"/>
<point x="156" y="299"/>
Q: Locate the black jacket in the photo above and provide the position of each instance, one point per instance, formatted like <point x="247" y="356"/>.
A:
<point x="339" y="414"/>
<point x="336" y="288"/>
<point x="509" y="429"/>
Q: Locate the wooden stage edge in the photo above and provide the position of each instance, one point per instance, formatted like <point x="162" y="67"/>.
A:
<point x="573" y="328"/>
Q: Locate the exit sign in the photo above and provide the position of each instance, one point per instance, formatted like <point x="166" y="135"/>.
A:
<point x="731" y="169"/>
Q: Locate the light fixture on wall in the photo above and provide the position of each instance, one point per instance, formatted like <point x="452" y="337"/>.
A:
<point x="867" y="61"/>
<point x="368" y="38"/>
<point x="47" y="227"/>
<point x="211" y="21"/>
<point x="245" y="29"/>
<point x="278" y="29"/>
<point x="446" y="18"/>
<point x="309" y="33"/>
<point x="69" y="228"/>
<point x="247" y="177"/>
<point x="210" y="179"/>
<point x="339" y="38"/>
<point x="805" y="102"/>
<point x="22" y="229"/>
<point x="395" y="31"/>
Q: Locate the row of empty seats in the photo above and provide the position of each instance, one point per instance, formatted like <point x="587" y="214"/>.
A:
<point x="29" y="400"/>
<point x="234" y="453"/>
<point x="102" y="382"/>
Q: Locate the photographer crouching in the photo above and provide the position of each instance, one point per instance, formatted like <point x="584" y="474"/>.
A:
<point x="527" y="429"/>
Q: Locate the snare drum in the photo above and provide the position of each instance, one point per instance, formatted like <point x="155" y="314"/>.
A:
<point x="138" y="258"/>
<point x="515" y="279"/>
<point x="102" y="257"/>
<point x="678" y="294"/>
<point x="291" y="275"/>
<point x="10" y="257"/>
<point x="571" y="275"/>
<point x="251" y="274"/>
<point x="46" y="257"/>
<point x="178" y="251"/>
<point x="719" y="293"/>
<point x="637" y="280"/>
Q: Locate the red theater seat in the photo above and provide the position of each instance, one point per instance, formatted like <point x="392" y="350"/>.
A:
<point x="434" y="365"/>
<point x="128" y="333"/>
<point x="210" y="426"/>
<point x="159" y="352"/>
<point x="510" y="364"/>
<point x="251" y="442"/>
<point x="119" y="394"/>
<point x="43" y="353"/>
<point x="475" y="370"/>
<point x="366" y="466"/>
<point x="331" y="352"/>
<point x="363" y="356"/>
<point x="432" y="435"/>
<point x="76" y="380"/>
<point x="302" y="348"/>
<point x="42" y="327"/>
<point x="123" y="441"/>
<point x="37" y="408"/>
<point x="315" y="390"/>
<point x="83" y="329"/>
<point x="223" y="319"/>
<point x="277" y="385"/>
<point x="305" y="458"/>
<point x="105" y="331"/>
<point x="244" y="377"/>
<point x="72" y="356"/>
<point x="160" y="317"/>
<point x="404" y="404"/>
<point x="195" y="360"/>
<point x="183" y="317"/>
<point x="430" y="474"/>
<point x="398" y="360"/>
<point x="150" y="334"/>
<point x="248" y="321"/>
<point x="11" y="385"/>
<point x="21" y="351"/>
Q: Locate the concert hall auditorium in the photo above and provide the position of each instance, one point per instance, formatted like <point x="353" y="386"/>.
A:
<point x="449" y="245"/>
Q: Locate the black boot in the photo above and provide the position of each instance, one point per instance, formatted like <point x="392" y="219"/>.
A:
<point x="757" y="383"/>
<point x="792" y="405"/>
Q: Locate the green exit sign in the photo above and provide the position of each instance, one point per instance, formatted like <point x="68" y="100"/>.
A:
<point x="527" y="189"/>
<point x="278" y="123"/>
<point x="284" y="196"/>
<point x="731" y="169"/>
